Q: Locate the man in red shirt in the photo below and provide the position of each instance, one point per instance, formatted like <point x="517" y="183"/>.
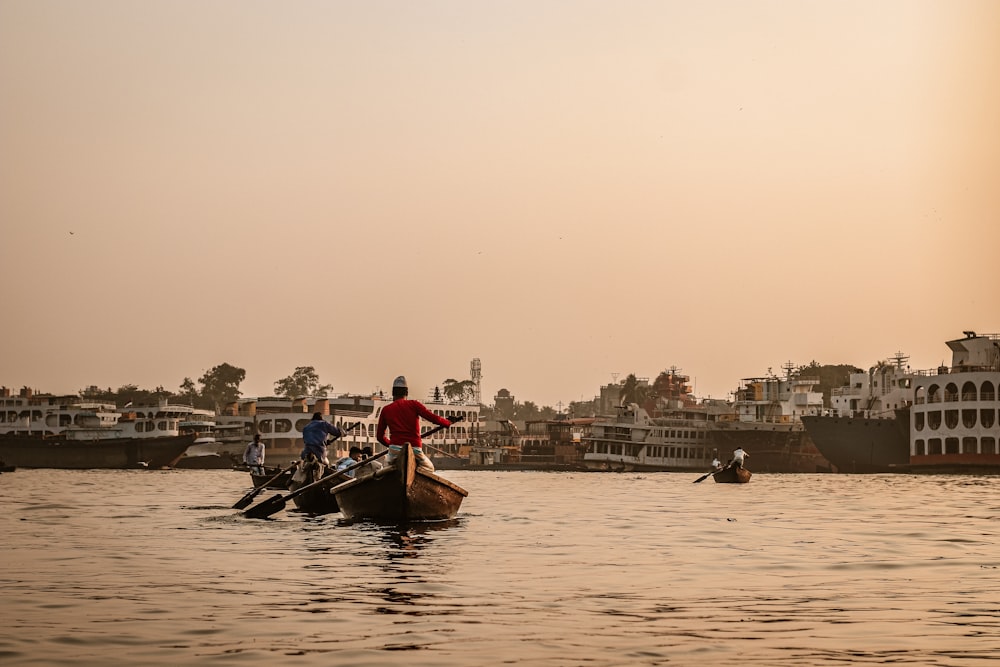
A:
<point x="402" y="418"/>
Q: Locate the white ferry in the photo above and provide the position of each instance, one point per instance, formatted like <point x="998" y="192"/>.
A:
<point x="280" y="422"/>
<point x="634" y="441"/>
<point x="42" y="431"/>
<point x="74" y="418"/>
<point x="955" y="418"/>
<point x="676" y="437"/>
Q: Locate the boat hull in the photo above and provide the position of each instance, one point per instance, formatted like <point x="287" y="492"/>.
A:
<point x="400" y="492"/>
<point x="281" y="482"/>
<point x="318" y="500"/>
<point x="785" y="448"/>
<point x="860" y="445"/>
<point x="115" y="453"/>
<point x="732" y="475"/>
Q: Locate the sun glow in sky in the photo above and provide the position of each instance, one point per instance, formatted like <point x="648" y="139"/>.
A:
<point x="565" y="190"/>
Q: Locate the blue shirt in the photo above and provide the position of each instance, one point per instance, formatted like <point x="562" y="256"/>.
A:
<point x="314" y="436"/>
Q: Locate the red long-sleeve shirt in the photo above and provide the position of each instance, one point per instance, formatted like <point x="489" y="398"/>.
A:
<point x="402" y="418"/>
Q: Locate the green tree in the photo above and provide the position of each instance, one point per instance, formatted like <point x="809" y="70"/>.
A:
<point x="526" y="411"/>
<point x="188" y="391"/>
<point x="303" y="382"/>
<point x="221" y="384"/>
<point x="457" y="390"/>
<point x="830" y="376"/>
<point x="632" y="391"/>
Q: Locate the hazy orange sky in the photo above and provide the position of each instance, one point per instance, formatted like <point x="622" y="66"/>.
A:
<point x="562" y="189"/>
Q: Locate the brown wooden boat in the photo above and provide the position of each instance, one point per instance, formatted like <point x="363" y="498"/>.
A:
<point x="400" y="492"/>
<point x="280" y="483"/>
<point x="318" y="500"/>
<point x="732" y="475"/>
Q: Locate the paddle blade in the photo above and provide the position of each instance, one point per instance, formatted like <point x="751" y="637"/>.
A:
<point x="703" y="477"/>
<point x="265" y="509"/>
<point x="244" y="501"/>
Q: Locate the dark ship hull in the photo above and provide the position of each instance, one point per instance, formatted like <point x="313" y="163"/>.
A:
<point x="863" y="445"/>
<point x="772" y="447"/>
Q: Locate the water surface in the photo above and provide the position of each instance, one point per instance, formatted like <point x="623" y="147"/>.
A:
<point x="154" y="568"/>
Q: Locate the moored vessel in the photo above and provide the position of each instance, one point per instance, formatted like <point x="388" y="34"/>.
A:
<point x="766" y="421"/>
<point x="955" y="418"/>
<point x="45" y="431"/>
<point x="669" y="432"/>
<point x="866" y="428"/>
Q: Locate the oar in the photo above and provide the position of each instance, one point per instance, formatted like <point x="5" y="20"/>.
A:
<point x="708" y="474"/>
<point x="276" y="503"/>
<point x="248" y="498"/>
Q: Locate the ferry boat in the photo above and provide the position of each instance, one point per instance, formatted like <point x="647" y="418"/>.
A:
<point x="766" y="421"/>
<point x="280" y="422"/>
<point x="46" y="431"/>
<point x="541" y="444"/>
<point x="954" y="421"/>
<point x="670" y="432"/>
<point x="867" y="426"/>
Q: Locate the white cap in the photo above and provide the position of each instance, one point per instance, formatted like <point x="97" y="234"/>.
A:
<point x="399" y="382"/>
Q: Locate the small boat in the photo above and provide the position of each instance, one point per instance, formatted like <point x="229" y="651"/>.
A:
<point x="400" y="492"/>
<point x="318" y="500"/>
<point x="732" y="475"/>
<point x="6" y="468"/>
<point x="281" y="482"/>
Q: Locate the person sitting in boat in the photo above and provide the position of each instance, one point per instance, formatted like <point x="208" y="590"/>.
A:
<point x="371" y="467"/>
<point x="253" y="455"/>
<point x="352" y="457"/>
<point x="402" y="419"/>
<point x="738" y="456"/>
<point x="314" y="436"/>
<point x="716" y="463"/>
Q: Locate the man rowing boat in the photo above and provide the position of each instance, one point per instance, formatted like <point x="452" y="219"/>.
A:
<point x="402" y="419"/>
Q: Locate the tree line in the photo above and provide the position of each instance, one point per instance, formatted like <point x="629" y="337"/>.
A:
<point x="221" y="385"/>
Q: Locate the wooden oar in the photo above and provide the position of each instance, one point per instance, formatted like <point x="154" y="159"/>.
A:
<point x="277" y="503"/>
<point x="248" y="498"/>
<point x="708" y="474"/>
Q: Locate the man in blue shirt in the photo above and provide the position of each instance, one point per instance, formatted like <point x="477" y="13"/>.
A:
<point x="314" y="436"/>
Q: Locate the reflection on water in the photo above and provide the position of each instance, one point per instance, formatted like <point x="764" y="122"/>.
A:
<point x="154" y="567"/>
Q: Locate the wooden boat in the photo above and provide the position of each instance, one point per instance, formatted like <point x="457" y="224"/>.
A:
<point x="280" y="483"/>
<point x="400" y="492"/>
<point x="314" y="501"/>
<point x="732" y="475"/>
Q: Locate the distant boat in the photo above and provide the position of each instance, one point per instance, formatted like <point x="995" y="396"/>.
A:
<point x="732" y="475"/>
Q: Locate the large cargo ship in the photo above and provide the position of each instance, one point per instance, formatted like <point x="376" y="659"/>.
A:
<point x="767" y="422"/>
<point x="867" y="426"/>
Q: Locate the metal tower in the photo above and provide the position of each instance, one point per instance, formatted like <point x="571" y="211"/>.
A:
<point x="476" y="373"/>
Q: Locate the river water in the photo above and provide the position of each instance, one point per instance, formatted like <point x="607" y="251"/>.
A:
<point x="595" y="569"/>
